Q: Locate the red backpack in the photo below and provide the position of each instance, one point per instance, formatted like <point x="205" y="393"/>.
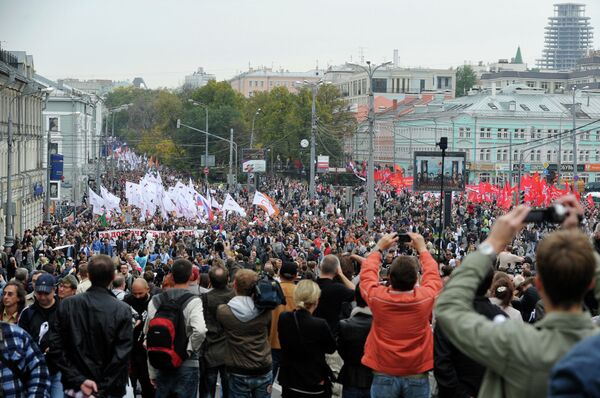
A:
<point x="166" y="339"/>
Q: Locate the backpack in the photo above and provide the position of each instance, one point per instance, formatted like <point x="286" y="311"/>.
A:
<point x="268" y="294"/>
<point x="166" y="338"/>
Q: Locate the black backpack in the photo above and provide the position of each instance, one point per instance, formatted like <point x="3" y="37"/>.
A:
<point x="166" y="338"/>
<point x="268" y="294"/>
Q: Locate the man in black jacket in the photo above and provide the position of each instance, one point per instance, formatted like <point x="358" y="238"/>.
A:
<point x="213" y="349"/>
<point x="457" y="375"/>
<point x="355" y="377"/>
<point x="92" y="336"/>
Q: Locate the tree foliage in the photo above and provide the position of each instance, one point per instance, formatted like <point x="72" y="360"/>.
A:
<point x="284" y="119"/>
<point x="465" y="80"/>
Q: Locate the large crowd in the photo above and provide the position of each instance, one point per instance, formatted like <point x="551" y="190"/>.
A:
<point x="130" y="305"/>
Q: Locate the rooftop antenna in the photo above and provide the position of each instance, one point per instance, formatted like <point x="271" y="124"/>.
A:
<point x="361" y="52"/>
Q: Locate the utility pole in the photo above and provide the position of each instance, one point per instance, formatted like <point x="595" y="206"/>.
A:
<point x="313" y="143"/>
<point x="206" y="147"/>
<point x="252" y="131"/>
<point x="231" y="184"/>
<point x="574" y="112"/>
<point x="370" y="71"/>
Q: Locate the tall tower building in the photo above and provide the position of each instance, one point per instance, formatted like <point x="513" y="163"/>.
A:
<point x="568" y="36"/>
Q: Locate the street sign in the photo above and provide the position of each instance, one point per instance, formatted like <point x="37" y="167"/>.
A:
<point x="206" y="171"/>
<point x="253" y="160"/>
<point x="211" y="161"/>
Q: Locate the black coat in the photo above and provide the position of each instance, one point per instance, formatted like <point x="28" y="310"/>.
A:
<point x="351" y="340"/>
<point x="91" y="338"/>
<point x="303" y="350"/>
<point x="457" y="375"/>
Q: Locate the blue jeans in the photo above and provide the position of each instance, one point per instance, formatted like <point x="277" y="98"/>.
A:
<point x="208" y="386"/>
<point x="354" y="392"/>
<point x="56" y="387"/>
<point x="400" y="386"/>
<point x="241" y="386"/>
<point x="182" y="382"/>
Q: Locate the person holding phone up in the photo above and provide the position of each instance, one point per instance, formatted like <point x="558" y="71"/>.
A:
<point x="399" y="347"/>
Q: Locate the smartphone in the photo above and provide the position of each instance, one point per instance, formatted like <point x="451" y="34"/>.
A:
<point x="403" y="238"/>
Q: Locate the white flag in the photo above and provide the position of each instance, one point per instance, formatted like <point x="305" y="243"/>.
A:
<point x="265" y="203"/>
<point x="231" y="204"/>
<point x="95" y="200"/>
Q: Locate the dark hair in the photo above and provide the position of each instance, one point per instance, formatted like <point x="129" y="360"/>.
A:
<point x="118" y="281"/>
<point x="101" y="270"/>
<point x="447" y="270"/>
<point x="503" y="289"/>
<point x="403" y="273"/>
<point x="148" y="276"/>
<point x="218" y="277"/>
<point x="181" y="270"/>
<point x="360" y="301"/>
<point x="21" y="296"/>
<point x="485" y="284"/>
<point x="566" y="265"/>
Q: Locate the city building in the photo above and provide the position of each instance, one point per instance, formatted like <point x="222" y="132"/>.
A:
<point x="21" y="96"/>
<point x="266" y="79"/>
<point x="493" y="128"/>
<point x="99" y="87"/>
<point x="391" y="82"/>
<point x="198" y="79"/>
<point x="74" y="120"/>
<point x="568" y="37"/>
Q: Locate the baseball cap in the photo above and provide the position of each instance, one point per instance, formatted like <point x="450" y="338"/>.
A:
<point x="70" y="280"/>
<point x="45" y="284"/>
<point x="289" y="270"/>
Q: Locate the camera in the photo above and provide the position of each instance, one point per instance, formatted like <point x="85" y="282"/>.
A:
<point x="555" y="214"/>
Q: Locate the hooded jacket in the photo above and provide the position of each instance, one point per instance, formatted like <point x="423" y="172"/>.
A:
<point x="247" y="348"/>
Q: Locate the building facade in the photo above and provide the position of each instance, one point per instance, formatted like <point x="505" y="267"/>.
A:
<point x="568" y="37"/>
<point x="21" y="97"/>
<point x="99" y="87"/>
<point x="265" y="79"/>
<point x="74" y="121"/>
<point x="198" y="79"/>
<point x="391" y="82"/>
<point x="494" y="129"/>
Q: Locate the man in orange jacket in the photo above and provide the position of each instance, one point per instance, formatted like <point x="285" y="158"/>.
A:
<point x="399" y="348"/>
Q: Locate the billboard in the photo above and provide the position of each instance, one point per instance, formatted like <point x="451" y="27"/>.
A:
<point x="322" y="164"/>
<point x="253" y="160"/>
<point x="56" y="166"/>
<point x="428" y="168"/>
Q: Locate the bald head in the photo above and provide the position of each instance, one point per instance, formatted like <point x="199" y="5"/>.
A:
<point x="140" y="289"/>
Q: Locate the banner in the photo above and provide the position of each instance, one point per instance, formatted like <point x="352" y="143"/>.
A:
<point x="428" y="171"/>
<point x="115" y="233"/>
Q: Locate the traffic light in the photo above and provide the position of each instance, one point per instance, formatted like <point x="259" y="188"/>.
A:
<point x="521" y="197"/>
<point x="550" y="177"/>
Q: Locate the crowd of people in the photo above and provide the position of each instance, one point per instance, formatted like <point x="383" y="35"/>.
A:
<point x="491" y="306"/>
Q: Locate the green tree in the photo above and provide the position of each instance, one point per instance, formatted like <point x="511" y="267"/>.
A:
<point x="465" y="80"/>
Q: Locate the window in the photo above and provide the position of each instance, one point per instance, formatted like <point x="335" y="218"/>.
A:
<point x="505" y="155"/>
<point x="482" y="154"/>
<point x="536" y="134"/>
<point x="380" y="85"/>
<point x="544" y="108"/>
<point x="530" y="84"/>
<point x="502" y="133"/>
<point x="544" y="85"/>
<point x="570" y="156"/>
<point x="557" y="86"/>
<point x="487" y="154"/>
<point x="249" y="83"/>
<point x="524" y="107"/>
<point x="53" y="123"/>
<point x="493" y="106"/>
<point x="538" y="155"/>
<point x="262" y="83"/>
<point x="548" y="156"/>
<point x="598" y="135"/>
<point x="516" y="155"/>
<point x="53" y="148"/>
<point x="499" y="155"/>
<point x="482" y="133"/>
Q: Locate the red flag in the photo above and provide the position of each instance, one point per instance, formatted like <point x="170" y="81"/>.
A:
<point x="590" y="201"/>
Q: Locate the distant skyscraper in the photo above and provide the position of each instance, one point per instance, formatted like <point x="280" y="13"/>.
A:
<point x="567" y="37"/>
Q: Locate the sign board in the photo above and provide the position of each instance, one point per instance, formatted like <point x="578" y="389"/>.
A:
<point x="54" y="190"/>
<point x="211" y="161"/>
<point x="322" y="164"/>
<point x="566" y="167"/>
<point x="56" y="166"/>
<point x="428" y="171"/>
<point x="253" y="160"/>
<point x="206" y="171"/>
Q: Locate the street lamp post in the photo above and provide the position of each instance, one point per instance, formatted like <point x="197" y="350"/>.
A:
<point x="206" y="136"/>
<point x="9" y="238"/>
<point x="313" y="134"/>
<point x="370" y="71"/>
<point x="252" y="131"/>
<point x="574" y="112"/>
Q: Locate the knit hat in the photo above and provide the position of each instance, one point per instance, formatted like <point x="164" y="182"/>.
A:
<point x="70" y="280"/>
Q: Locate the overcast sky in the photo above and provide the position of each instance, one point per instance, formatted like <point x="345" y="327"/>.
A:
<point x="163" y="40"/>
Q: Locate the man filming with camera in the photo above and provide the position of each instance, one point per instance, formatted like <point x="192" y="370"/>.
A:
<point x="519" y="356"/>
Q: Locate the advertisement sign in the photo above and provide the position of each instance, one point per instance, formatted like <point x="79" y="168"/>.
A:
<point x="56" y="166"/>
<point x="322" y="164"/>
<point x="428" y="171"/>
<point x="54" y="190"/>
<point x="253" y="160"/>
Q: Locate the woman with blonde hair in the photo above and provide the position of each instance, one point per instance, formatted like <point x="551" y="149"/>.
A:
<point x="305" y="340"/>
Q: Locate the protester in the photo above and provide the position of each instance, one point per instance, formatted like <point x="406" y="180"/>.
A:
<point x="566" y="267"/>
<point x="400" y="357"/>
<point x="23" y="370"/>
<point x="67" y="287"/>
<point x="305" y="340"/>
<point x="84" y="281"/>
<point x="355" y="377"/>
<point x="13" y="302"/>
<point x="247" y="348"/>
<point x="213" y="350"/>
<point x="182" y="381"/>
<point x="92" y="336"/>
